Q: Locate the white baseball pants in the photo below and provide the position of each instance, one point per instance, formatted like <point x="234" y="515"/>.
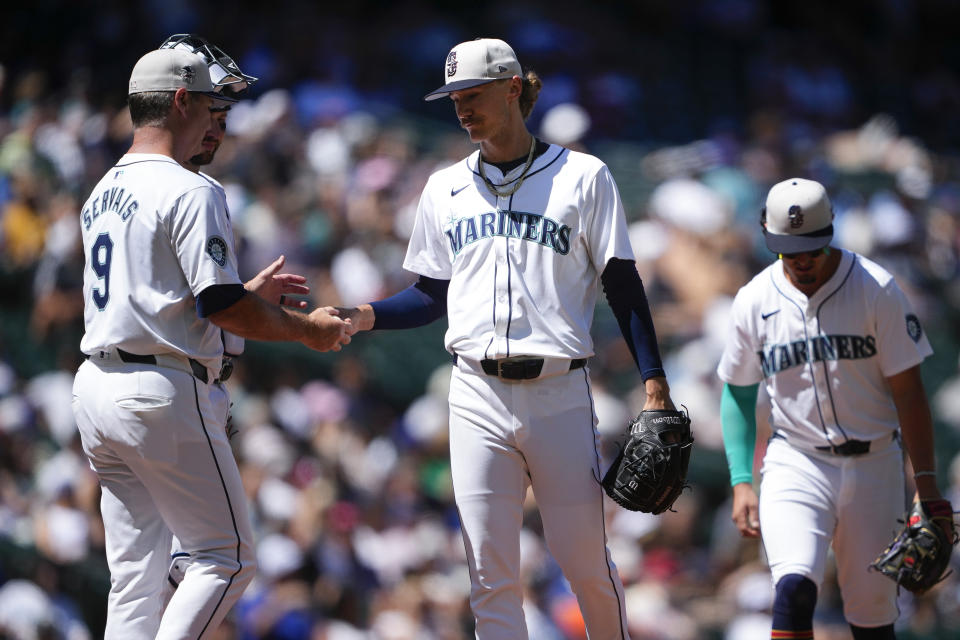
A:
<point x="809" y="500"/>
<point x="505" y="437"/>
<point x="165" y="466"/>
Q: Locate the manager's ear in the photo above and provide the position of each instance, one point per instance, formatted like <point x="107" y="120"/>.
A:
<point x="763" y="217"/>
<point x="181" y="101"/>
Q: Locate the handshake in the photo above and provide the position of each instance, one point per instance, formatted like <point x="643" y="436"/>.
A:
<point x="267" y="315"/>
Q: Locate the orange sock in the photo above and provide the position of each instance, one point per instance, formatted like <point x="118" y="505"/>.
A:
<point x="803" y="634"/>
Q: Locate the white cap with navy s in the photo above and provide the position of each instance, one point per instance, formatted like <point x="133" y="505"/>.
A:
<point x="476" y="62"/>
<point x="172" y="69"/>
<point x="797" y="217"/>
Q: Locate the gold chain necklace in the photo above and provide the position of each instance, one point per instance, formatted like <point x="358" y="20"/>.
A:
<point x="519" y="181"/>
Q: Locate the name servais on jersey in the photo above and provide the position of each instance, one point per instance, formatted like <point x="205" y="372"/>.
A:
<point x="114" y="199"/>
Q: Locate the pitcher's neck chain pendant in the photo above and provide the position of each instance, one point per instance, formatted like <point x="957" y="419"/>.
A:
<point x="492" y="188"/>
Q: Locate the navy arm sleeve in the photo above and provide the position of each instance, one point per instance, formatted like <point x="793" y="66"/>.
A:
<point x="419" y="304"/>
<point x="218" y="297"/>
<point x="624" y="291"/>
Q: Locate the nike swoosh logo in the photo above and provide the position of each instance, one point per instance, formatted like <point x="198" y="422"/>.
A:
<point x="764" y="316"/>
<point x="454" y="192"/>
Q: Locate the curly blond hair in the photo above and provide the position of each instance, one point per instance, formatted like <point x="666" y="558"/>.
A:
<point x="530" y="92"/>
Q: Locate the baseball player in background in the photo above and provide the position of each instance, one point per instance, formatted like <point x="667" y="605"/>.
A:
<point x="511" y="244"/>
<point x="838" y="349"/>
<point x="160" y="283"/>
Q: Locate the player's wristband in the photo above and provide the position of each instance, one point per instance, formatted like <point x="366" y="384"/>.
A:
<point x="940" y="508"/>
<point x="919" y="474"/>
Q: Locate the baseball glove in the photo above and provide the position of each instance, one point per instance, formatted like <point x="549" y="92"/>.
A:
<point x="650" y="472"/>
<point x="920" y="552"/>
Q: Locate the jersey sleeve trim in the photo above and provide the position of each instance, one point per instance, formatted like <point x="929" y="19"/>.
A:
<point x="218" y="297"/>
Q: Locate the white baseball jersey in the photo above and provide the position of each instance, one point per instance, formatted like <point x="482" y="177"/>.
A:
<point x="147" y="260"/>
<point x="824" y="360"/>
<point x="232" y="343"/>
<point x="526" y="265"/>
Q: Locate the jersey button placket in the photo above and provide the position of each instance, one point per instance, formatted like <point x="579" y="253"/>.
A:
<point x="501" y="297"/>
<point x="818" y="370"/>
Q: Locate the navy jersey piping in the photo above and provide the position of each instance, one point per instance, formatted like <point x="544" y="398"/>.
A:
<point x="509" y="285"/>
<point x="233" y="518"/>
<point x="823" y="363"/>
<point x="603" y="523"/>
<point x="526" y="176"/>
<point x="493" y="315"/>
<point x="133" y="162"/>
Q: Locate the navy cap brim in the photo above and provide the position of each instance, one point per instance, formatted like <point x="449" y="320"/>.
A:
<point x="445" y="90"/>
<point x="799" y="243"/>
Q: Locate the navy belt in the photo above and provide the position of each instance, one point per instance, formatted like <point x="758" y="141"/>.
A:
<point x="526" y="369"/>
<point x="855" y="447"/>
<point x="199" y="371"/>
<point x="848" y="448"/>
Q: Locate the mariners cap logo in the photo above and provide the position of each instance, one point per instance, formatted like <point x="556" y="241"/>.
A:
<point x="795" y="214"/>
<point x="452" y="64"/>
<point x="187" y="74"/>
<point x="217" y="249"/>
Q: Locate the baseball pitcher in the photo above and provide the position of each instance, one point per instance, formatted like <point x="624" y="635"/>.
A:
<point x="512" y="244"/>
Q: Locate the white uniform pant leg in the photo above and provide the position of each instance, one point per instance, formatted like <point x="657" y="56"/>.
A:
<point x="158" y="426"/>
<point x="561" y="447"/>
<point x="489" y="484"/>
<point x="874" y="497"/>
<point x="808" y="500"/>
<point x="136" y="540"/>
<point x="179" y="559"/>
<point x="797" y="511"/>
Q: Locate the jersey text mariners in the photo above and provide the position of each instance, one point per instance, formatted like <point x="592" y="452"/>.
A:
<point x="777" y="357"/>
<point x="509" y="224"/>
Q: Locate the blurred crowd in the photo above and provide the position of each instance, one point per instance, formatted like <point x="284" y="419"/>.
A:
<point x="344" y="456"/>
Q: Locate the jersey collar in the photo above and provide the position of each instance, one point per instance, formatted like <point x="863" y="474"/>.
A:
<point x="473" y="163"/>
<point x="829" y="287"/>
<point x="130" y="158"/>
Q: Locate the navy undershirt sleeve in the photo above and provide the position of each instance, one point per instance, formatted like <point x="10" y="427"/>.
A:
<point x="419" y="304"/>
<point x="624" y="290"/>
<point x="218" y="297"/>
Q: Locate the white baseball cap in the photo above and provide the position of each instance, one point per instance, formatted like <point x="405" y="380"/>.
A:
<point x="172" y="69"/>
<point x="797" y="217"/>
<point x="476" y="62"/>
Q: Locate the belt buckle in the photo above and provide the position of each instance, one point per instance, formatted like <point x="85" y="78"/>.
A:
<point x="852" y="448"/>
<point x="522" y="369"/>
<point x="507" y="369"/>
